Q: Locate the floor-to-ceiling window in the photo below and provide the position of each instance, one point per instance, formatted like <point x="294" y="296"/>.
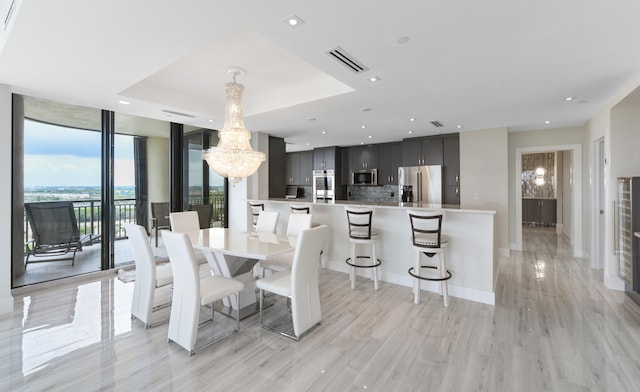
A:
<point x="203" y="186"/>
<point x="59" y="181"/>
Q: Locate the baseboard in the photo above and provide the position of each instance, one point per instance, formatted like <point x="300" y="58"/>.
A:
<point x="504" y="252"/>
<point x="6" y="305"/>
<point x="613" y="283"/>
<point x="406" y="280"/>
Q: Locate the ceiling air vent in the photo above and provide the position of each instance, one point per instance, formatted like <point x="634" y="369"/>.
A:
<point x="346" y="59"/>
<point x="178" y="113"/>
<point x="437" y="124"/>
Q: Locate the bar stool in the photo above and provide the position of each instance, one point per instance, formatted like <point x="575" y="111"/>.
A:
<point x="255" y="212"/>
<point x="427" y="238"/>
<point x="361" y="232"/>
<point x="299" y="209"/>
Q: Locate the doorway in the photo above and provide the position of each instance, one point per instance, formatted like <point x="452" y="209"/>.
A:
<point x="574" y="203"/>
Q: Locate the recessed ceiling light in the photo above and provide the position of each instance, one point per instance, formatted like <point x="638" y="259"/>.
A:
<point x="402" y="40"/>
<point x="307" y="144"/>
<point x="410" y="132"/>
<point x="568" y="99"/>
<point x="374" y="79"/>
<point x="458" y="126"/>
<point x="412" y="119"/>
<point x="294" y="21"/>
<point x="210" y="120"/>
<point x="124" y="102"/>
<point x="361" y="142"/>
<point x="324" y="132"/>
<point x="363" y="126"/>
<point x="547" y="122"/>
<point x="370" y="137"/>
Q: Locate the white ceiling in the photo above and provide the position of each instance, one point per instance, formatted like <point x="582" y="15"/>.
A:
<point x="479" y="64"/>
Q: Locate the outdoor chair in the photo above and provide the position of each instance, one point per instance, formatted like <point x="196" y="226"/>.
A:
<point x="160" y="217"/>
<point x="55" y="232"/>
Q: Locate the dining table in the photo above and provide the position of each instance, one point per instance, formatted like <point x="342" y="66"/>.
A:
<point x="233" y="253"/>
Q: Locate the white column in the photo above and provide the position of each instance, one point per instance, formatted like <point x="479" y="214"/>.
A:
<point x="6" y="300"/>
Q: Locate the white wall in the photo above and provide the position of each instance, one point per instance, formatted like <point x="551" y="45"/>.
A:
<point x="6" y="300"/>
<point x="484" y="183"/>
<point x="159" y="167"/>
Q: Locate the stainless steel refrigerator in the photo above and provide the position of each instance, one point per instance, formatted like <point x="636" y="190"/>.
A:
<point x="627" y="223"/>
<point x="420" y="184"/>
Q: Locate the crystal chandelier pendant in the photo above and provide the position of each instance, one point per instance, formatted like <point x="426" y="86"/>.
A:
<point x="233" y="157"/>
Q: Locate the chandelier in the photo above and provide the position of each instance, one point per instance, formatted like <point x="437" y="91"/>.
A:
<point x="233" y="157"/>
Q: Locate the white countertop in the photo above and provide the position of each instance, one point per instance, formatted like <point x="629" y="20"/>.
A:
<point x="341" y="203"/>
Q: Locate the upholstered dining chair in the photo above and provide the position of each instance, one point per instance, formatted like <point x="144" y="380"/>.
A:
<point x="267" y="222"/>
<point x="297" y="223"/>
<point x="184" y="222"/>
<point x="300" y="284"/>
<point x="190" y="293"/>
<point x="152" y="285"/>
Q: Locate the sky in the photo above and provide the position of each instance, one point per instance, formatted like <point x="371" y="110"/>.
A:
<point x="59" y="156"/>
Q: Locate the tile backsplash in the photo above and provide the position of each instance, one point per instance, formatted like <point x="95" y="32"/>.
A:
<point x="381" y="193"/>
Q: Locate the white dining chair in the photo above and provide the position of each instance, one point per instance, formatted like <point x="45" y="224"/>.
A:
<point x="267" y="221"/>
<point x="297" y="223"/>
<point x="152" y="285"/>
<point x="300" y="284"/>
<point x="190" y="293"/>
<point x="183" y="222"/>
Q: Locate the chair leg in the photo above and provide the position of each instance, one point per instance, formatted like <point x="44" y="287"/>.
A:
<point x="238" y="312"/>
<point x="353" y="269"/>
<point x="374" y="260"/>
<point x="444" y="284"/>
<point x="261" y="304"/>
<point x="416" y="281"/>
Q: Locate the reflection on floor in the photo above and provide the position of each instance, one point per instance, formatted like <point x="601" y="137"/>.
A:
<point x="554" y="328"/>
<point x="88" y="260"/>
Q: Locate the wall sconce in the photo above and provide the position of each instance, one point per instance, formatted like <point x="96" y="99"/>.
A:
<point x="540" y="176"/>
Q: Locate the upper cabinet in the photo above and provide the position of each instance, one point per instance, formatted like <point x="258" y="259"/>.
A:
<point x="299" y="168"/>
<point x="451" y="169"/>
<point x="422" y="151"/>
<point x="324" y="158"/>
<point x="363" y="157"/>
<point x="389" y="159"/>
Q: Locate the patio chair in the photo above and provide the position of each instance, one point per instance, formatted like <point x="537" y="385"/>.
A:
<point x="205" y="214"/>
<point x="55" y="232"/>
<point x="160" y="217"/>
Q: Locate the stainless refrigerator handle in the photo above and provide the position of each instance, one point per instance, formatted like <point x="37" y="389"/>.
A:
<point x="616" y="235"/>
<point x="419" y="175"/>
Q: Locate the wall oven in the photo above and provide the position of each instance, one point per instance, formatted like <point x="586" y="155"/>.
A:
<point x="324" y="183"/>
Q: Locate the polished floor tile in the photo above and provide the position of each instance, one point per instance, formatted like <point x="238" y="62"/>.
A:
<point x="554" y="328"/>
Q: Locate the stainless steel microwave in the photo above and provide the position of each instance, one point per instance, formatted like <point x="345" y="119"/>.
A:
<point x="364" y="177"/>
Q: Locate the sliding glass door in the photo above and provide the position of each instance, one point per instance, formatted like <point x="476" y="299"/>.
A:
<point x="80" y="174"/>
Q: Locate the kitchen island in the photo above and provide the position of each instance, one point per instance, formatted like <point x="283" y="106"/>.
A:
<point x="471" y="257"/>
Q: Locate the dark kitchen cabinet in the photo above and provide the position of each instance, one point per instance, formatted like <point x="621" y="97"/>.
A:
<point x="306" y="168"/>
<point x="389" y="159"/>
<point x="324" y="158"/>
<point x="363" y="157"/>
<point x="422" y="151"/>
<point x="451" y="169"/>
<point x="299" y="168"/>
<point x="539" y="211"/>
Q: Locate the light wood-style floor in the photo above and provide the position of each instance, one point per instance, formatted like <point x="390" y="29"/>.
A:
<point x="554" y="328"/>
